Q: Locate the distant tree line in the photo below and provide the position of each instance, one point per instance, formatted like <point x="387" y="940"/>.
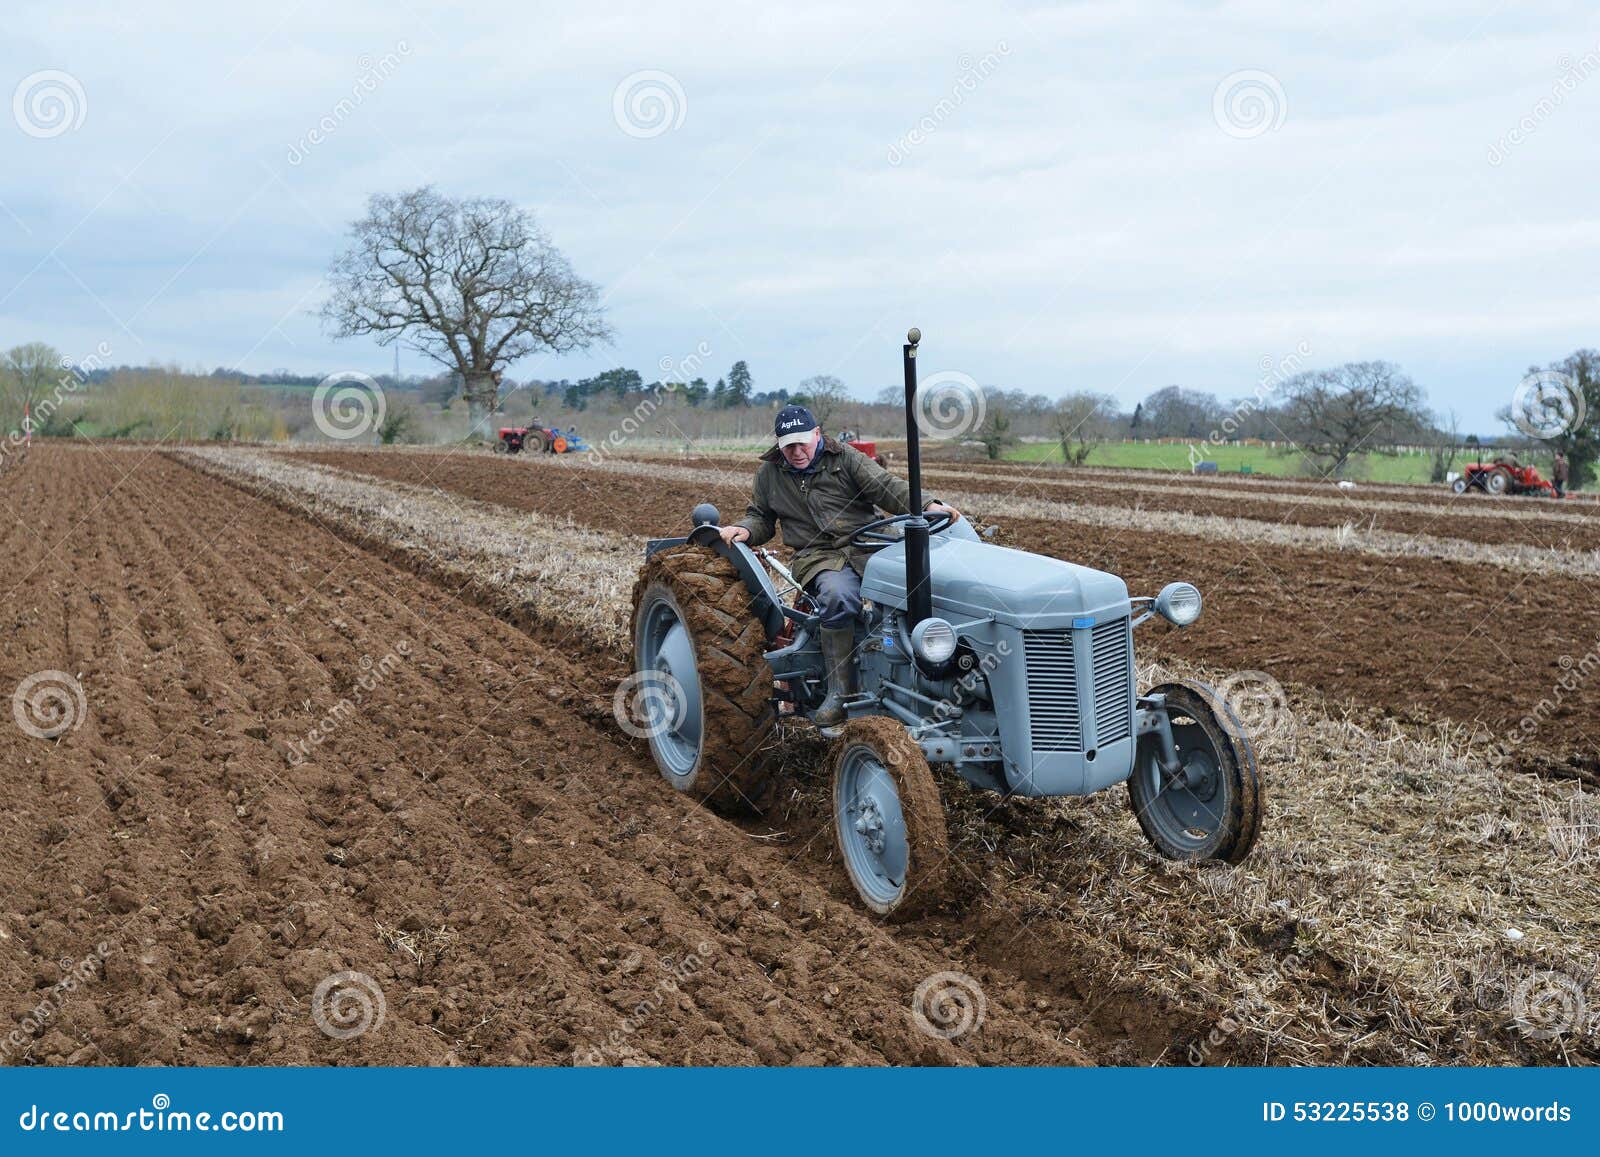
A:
<point x="1328" y="416"/>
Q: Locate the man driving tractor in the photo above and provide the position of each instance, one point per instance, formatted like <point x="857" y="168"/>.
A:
<point x="821" y="490"/>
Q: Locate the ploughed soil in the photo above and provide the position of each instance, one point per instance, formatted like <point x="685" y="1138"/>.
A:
<point x="1417" y="639"/>
<point x="307" y="788"/>
<point x="965" y="459"/>
<point x="1433" y="511"/>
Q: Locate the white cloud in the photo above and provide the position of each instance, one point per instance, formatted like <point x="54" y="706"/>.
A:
<point x="1077" y="215"/>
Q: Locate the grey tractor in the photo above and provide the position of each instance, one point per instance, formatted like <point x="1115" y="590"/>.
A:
<point x="1014" y="670"/>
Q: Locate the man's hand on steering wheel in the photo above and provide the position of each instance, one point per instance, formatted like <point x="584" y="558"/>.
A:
<point x="733" y="534"/>
<point x="878" y="534"/>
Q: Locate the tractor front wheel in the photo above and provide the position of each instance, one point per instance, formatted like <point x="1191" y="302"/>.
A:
<point x="1210" y="810"/>
<point x="887" y="818"/>
<point x="1459" y="486"/>
<point x="701" y="675"/>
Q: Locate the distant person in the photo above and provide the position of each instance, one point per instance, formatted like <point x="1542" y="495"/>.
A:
<point x="1558" y="474"/>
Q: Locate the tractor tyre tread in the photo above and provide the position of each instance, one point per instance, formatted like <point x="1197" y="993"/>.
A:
<point x="1197" y="701"/>
<point x="927" y="831"/>
<point x="736" y="685"/>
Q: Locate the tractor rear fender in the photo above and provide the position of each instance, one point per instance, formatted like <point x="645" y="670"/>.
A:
<point x="764" y="600"/>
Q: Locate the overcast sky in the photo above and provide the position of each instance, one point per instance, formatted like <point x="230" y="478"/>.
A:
<point x="1099" y="196"/>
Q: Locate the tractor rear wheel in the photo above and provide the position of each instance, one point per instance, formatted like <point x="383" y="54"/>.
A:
<point x="1498" y="481"/>
<point x="700" y="668"/>
<point x="1213" y="811"/>
<point x="887" y="818"/>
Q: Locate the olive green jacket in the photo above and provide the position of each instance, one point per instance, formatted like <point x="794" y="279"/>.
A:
<point x="818" y="507"/>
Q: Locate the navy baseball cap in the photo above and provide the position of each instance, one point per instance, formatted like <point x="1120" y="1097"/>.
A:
<point x="793" y="424"/>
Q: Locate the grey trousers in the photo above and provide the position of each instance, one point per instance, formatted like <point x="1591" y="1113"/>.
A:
<point x="838" y="595"/>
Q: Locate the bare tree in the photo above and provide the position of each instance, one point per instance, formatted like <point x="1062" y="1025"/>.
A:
<point x="1080" y="421"/>
<point x="1174" y="412"/>
<point x="1447" y="444"/>
<point x="824" y="395"/>
<point x="1357" y="406"/>
<point x="1575" y="433"/>
<point x="473" y="284"/>
<point x="995" y="433"/>
<point x="26" y="374"/>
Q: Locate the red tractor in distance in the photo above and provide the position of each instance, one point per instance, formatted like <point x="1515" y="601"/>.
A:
<point x="1505" y="475"/>
<point x="870" y="449"/>
<point x="538" y="439"/>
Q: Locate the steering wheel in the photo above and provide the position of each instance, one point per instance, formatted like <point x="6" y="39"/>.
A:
<point x="873" y="537"/>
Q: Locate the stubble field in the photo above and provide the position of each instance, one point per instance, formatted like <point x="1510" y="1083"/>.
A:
<point x="311" y="742"/>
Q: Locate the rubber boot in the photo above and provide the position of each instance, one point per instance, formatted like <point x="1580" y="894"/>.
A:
<point x="838" y="653"/>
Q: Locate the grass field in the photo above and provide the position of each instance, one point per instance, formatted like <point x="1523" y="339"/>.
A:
<point x="1229" y="460"/>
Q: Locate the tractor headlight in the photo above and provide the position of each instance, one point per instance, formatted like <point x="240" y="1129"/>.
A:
<point x="1179" y="603"/>
<point x="933" y="640"/>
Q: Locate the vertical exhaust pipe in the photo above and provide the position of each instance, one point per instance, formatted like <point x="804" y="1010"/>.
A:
<point x="919" y="595"/>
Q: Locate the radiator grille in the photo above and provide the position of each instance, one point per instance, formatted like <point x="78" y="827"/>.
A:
<point x="1052" y="691"/>
<point x="1113" y="675"/>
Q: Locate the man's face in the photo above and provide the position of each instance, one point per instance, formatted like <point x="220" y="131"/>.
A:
<point x="799" y="454"/>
